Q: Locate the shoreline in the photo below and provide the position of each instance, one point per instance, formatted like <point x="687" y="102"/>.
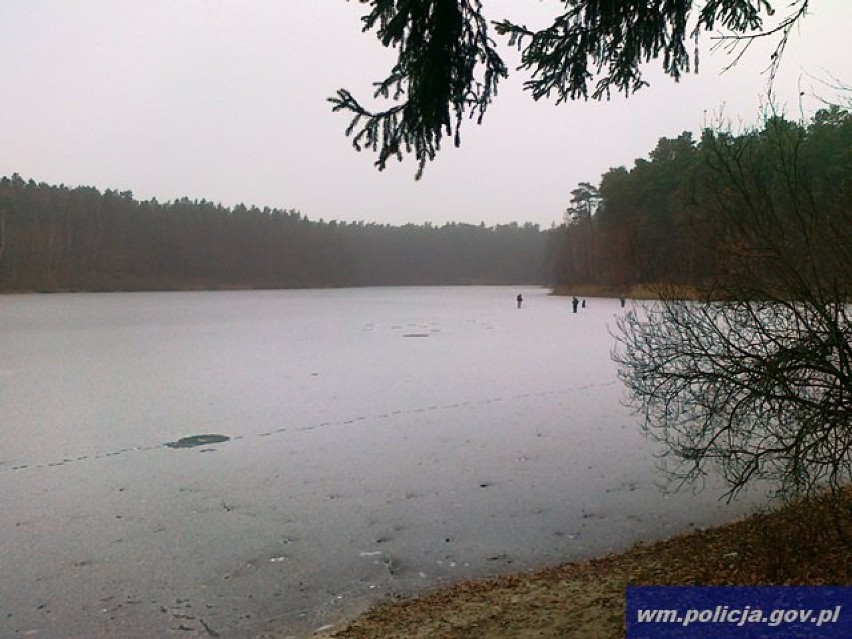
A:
<point x="796" y="544"/>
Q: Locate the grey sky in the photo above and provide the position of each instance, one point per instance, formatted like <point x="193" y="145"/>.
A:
<point x="226" y="100"/>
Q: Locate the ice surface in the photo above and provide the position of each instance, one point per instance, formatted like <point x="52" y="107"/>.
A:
<point x="362" y="461"/>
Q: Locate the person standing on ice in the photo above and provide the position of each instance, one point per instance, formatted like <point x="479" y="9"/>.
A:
<point x="575" y="302"/>
<point x="520" y="300"/>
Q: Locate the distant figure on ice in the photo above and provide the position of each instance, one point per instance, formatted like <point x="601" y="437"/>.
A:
<point x="621" y="299"/>
<point x="520" y="300"/>
<point x="584" y="303"/>
<point x="575" y="302"/>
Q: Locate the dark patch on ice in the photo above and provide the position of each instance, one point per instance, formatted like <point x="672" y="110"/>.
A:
<point x="197" y="440"/>
<point x="415" y="334"/>
<point x="502" y="557"/>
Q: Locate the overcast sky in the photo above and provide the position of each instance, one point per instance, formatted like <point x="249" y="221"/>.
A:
<point x="226" y="100"/>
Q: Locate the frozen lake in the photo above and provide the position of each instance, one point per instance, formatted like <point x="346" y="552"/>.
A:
<point x="382" y="441"/>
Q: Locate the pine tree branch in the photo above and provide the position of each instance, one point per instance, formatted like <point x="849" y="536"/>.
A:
<point x="447" y="69"/>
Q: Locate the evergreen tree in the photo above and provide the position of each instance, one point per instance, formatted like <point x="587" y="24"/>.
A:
<point x="448" y="67"/>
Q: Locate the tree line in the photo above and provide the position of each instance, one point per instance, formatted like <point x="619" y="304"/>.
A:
<point x="60" y="238"/>
<point x="659" y="222"/>
<point x="754" y="378"/>
<point x="666" y="221"/>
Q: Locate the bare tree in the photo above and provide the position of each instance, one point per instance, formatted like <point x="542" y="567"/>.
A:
<point x="755" y="381"/>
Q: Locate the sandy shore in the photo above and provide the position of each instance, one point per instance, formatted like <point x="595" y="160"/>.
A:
<point x="801" y="543"/>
